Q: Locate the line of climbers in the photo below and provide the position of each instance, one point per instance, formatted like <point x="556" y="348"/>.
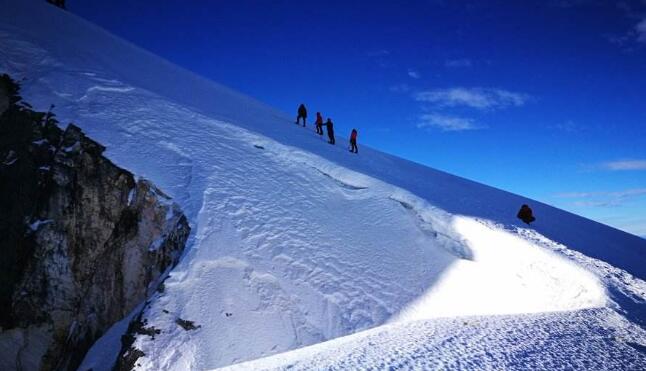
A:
<point x="525" y="213"/>
<point x="329" y="125"/>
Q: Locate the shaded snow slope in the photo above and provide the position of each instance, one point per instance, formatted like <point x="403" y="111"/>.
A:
<point x="295" y="241"/>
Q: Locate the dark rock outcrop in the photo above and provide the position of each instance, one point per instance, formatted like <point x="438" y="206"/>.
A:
<point x="82" y="241"/>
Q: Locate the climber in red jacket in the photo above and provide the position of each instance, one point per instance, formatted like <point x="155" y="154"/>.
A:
<point x="353" y="141"/>
<point x="319" y="123"/>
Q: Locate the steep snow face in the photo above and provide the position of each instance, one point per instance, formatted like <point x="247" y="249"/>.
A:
<point x="291" y="250"/>
<point x="296" y="241"/>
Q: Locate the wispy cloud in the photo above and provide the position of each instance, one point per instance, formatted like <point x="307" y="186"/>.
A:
<point x="620" y="40"/>
<point x="631" y="39"/>
<point x="621" y="194"/>
<point x="382" y="57"/>
<point x="566" y="3"/>
<point x="401" y="88"/>
<point x="414" y="73"/>
<point x="439" y="102"/>
<point x="568" y="126"/>
<point x="458" y="63"/>
<point x="479" y="98"/>
<point x="624" y="165"/>
<point x="378" y="53"/>
<point x="446" y="122"/>
<point x="640" y="29"/>
<point x="607" y="203"/>
<point x="603" y="199"/>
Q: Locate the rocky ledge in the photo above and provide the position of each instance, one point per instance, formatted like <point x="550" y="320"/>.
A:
<point x="82" y="241"/>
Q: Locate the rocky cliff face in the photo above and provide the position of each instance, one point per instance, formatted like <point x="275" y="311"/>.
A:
<point x="82" y="241"/>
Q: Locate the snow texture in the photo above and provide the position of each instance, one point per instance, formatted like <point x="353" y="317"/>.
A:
<point x="530" y="342"/>
<point x="296" y="242"/>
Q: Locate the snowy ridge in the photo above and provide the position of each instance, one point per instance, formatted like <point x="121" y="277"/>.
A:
<point x="525" y="342"/>
<point x="297" y="242"/>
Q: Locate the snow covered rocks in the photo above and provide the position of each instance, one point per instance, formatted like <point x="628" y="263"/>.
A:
<point x="76" y="235"/>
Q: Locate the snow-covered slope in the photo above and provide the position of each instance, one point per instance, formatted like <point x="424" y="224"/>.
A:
<point x="297" y="242"/>
<point x="579" y="340"/>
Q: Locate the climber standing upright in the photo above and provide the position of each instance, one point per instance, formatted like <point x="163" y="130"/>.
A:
<point x="353" y="141"/>
<point x="302" y="113"/>
<point x="319" y="123"/>
<point x="330" y="130"/>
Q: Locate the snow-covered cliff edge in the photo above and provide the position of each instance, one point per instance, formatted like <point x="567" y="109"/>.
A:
<point x="83" y="242"/>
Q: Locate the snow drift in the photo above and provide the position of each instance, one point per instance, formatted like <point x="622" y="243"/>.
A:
<point x="297" y="242"/>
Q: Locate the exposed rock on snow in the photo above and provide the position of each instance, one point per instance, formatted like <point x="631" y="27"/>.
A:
<point x="186" y="324"/>
<point x="75" y="250"/>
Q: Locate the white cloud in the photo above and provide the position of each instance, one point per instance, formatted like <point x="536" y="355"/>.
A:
<point x="400" y="89"/>
<point x="567" y="126"/>
<point x="413" y="73"/>
<point x="458" y="63"/>
<point x="378" y="53"/>
<point x="607" y="203"/>
<point x="566" y="3"/>
<point x="620" y="194"/>
<point x="625" y="165"/>
<point x="603" y="199"/>
<point x="575" y="194"/>
<point x="619" y="40"/>
<point x="381" y="57"/>
<point x="446" y="123"/>
<point x="479" y="98"/>
<point x="641" y="31"/>
<point x="629" y="41"/>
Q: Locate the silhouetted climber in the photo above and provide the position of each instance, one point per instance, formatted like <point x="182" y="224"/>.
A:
<point x="525" y="214"/>
<point x="319" y="123"/>
<point x="302" y="113"/>
<point x="330" y="130"/>
<point x="353" y="141"/>
<point x="58" y="3"/>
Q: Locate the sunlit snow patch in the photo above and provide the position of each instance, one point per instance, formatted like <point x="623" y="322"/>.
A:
<point x="507" y="275"/>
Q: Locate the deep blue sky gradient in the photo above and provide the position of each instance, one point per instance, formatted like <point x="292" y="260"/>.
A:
<point x="580" y="66"/>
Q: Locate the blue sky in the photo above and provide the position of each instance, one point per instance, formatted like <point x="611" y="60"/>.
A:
<point x="542" y="98"/>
